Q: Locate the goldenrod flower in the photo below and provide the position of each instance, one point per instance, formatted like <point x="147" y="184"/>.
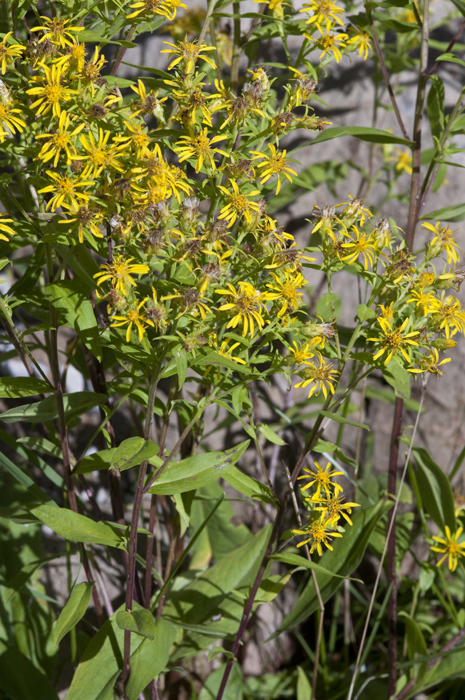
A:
<point x="329" y="43"/>
<point x="188" y="52"/>
<point x="59" y="140"/>
<point x="248" y="304"/>
<point x="393" y="340"/>
<point x="323" y="479"/>
<point x="9" y="52"/>
<point x="65" y="189"/>
<point x="4" y="228"/>
<point x="324" y="12"/>
<point x="199" y="147"/>
<point x="332" y="508"/>
<point x="362" y="245"/>
<point x="100" y="156"/>
<point x="317" y="535"/>
<point x="450" y="548"/>
<point x="430" y="364"/>
<point x="165" y="8"/>
<point x="276" y="164"/>
<point x="287" y="291"/>
<point x="9" y="118"/>
<point x="120" y="273"/>
<point x="57" y="31"/>
<point x="52" y="93"/>
<point x="238" y="206"/>
<point x="444" y="241"/>
<point x="321" y="376"/>
<point x="133" y="318"/>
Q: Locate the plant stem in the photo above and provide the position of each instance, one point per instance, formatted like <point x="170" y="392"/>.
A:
<point x="132" y="548"/>
<point x="122" y="50"/>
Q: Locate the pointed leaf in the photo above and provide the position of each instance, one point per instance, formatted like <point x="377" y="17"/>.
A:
<point x="74" y="404"/>
<point x="73" y="610"/>
<point x="15" y="387"/>
<point x="78" y="528"/>
<point x="129" y="453"/>
<point x="435" y="490"/>
<point x="139" y="621"/>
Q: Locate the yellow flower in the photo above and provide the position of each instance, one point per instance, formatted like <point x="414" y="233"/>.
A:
<point x="354" y="210"/>
<point x="425" y="300"/>
<point x="450" y="548"/>
<point x="88" y="219"/>
<point x="156" y="313"/>
<point x="323" y="480"/>
<point x="4" y="228"/>
<point x="360" y="41"/>
<point x="148" y="103"/>
<point x="57" y="32"/>
<point x="120" y="273"/>
<point x="248" y="304"/>
<point x="9" y="118"/>
<point x="451" y="316"/>
<point x="300" y="354"/>
<point x="65" y="190"/>
<point x="100" y="156"/>
<point x="333" y="507"/>
<point x="192" y="302"/>
<point x="362" y="245"/>
<point x="59" y="140"/>
<point x="444" y="241"/>
<point x="188" y="52"/>
<point x="276" y="164"/>
<point x="393" y="340"/>
<point x="223" y="349"/>
<point x="329" y="43"/>
<point x="238" y="206"/>
<point x="287" y="291"/>
<point x="74" y="58"/>
<point x="324" y="12"/>
<point x="403" y="160"/>
<point x="9" y="52"/>
<point x="52" y="93"/>
<point x="321" y="376"/>
<point x="133" y="318"/>
<point x="199" y="147"/>
<point x="304" y="90"/>
<point x="430" y="364"/>
<point x="165" y="8"/>
<point x="387" y="312"/>
<point x="317" y="535"/>
<point x="138" y="139"/>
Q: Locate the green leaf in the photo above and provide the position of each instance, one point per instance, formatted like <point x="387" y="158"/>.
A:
<point x="234" y="686"/>
<point x="364" y="312"/>
<point x="346" y="556"/>
<point x="341" y="419"/>
<point x="435" y="490"/>
<point x="416" y="645"/>
<point x="398" y="377"/>
<point x="139" y="621"/>
<point x="76" y="309"/>
<point x="435" y="106"/>
<point x="94" y="37"/>
<point x="15" y="387"/>
<point x="456" y="212"/>
<point x="451" y="58"/>
<point x="46" y="410"/>
<point x="102" y="661"/>
<point x="130" y="453"/>
<point x="304" y="689"/>
<point x="248" y="486"/>
<point x="78" y="528"/>
<point x="270" y="434"/>
<point x="180" y="357"/>
<point x="297" y="560"/>
<point x="20" y="679"/>
<point x="195" y="472"/>
<point x="362" y="133"/>
<point x="80" y="260"/>
<point x="22" y="478"/>
<point x="73" y="610"/>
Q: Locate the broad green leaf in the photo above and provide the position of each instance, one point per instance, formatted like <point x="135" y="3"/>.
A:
<point x="15" y="387"/>
<point x="362" y="133"/>
<point x="195" y="472"/>
<point x="451" y="58"/>
<point x="346" y="556"/>
<point x="80" y="260"/>
<point x="42" y="445"/>
<point x="304" y="689"/>
<point x="22" y="478"/>
<point x="248" y="486"/>
<point x="297" y="560"/>
<point x="197" y="601"/>
<point x="140" y="621"/>
<point x="20" y="679"/>
<point x="234" y="686"/>
<point x="129" y="453"/>
<point x="46" y="410"/>
<point x="398" y="377"/>
<point x="270" y="434"/>
<point x="151" y="658"/>
<point x="364" y="312"/>
<point x="76" y="309"/>
<point x="456" y="212"/>
<point x="416" y="645"/>
<point x="435" y="490"/>
<point x="73" y="610"/>
<point x="78" y="528"/>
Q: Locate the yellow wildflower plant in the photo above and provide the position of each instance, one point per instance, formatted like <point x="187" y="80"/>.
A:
<point x="52" y="92"/>
<point x="429" y="363"/>
<point x="5" y="229"/>
<point x="326" y="14"/>
<point x="60" y="140"/>
<point x="58" y="31"/>
<point x="332" y="508"/>
<point x="247" y="304"/>
<point x="187" y="53"/>
<point x="131" y="318"/>
<point x="449" y="547"/>
<point x="443" y="241"/>
<point x="320" y="376"/>
<point x="120" y="273"/>
<point x="318" y="534"/>
<point x="101" y="156"/>
<point x="66" y="190"/>
<point x="323" y="480"/>
<point x="9" y="118"/>
<point x="9" y="52"/>
<point x="287" y="291"/>
<point x="394" y="341"/>
<point x="238" y="205"/>
<point x="276" y="164"/>
<point x="200" y="148"/>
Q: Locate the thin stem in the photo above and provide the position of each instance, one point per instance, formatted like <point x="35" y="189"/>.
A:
<point x="132" y="548"/>
<point x="383" y="555"/>
<point x="386" y="75"/>
<point x="122" y="50"/>
<point x="452" y="42"/>
<point x="236" y="55"/>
